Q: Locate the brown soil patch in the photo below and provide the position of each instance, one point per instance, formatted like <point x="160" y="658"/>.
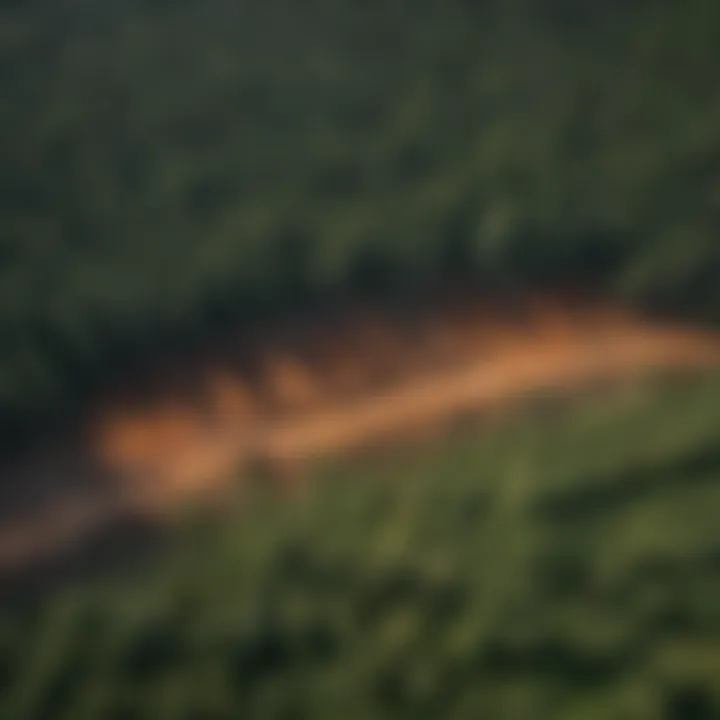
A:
<point x="324" y="388"/>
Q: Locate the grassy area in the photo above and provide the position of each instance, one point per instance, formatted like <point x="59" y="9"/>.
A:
<point x="169" y="166"/>
<point x="564" y="565"/>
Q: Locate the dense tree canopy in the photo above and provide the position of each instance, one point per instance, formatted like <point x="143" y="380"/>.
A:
<point x="547" y="570"/>
<point x="166" y="164"/>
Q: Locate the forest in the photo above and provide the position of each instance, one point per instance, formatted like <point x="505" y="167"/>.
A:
<point x="546" y="569"/>
<point x="170" y="168"/>
<point x="172" y="171"/>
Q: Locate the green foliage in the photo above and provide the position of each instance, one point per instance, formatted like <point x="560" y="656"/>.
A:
<point x="564" y="566"/>
<point x="164" y="165"/>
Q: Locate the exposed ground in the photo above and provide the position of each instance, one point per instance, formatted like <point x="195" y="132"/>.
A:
<point x="268" y="403"/>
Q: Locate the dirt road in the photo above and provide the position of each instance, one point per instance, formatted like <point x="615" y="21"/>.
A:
<point x="326" y="388"/>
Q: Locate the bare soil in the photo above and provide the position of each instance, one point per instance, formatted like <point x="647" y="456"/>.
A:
<point x="330" y="387"/>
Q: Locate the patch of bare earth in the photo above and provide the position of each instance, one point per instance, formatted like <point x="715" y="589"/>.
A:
<point x="329" y="387"/>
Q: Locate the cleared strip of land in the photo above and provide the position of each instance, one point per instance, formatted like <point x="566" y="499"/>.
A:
<point x="324" y="389"/>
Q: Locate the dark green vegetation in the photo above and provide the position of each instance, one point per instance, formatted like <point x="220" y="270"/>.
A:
<point x="166" y="167"/>
<point x="547" y="569"/>
<point x="169" y="167"/>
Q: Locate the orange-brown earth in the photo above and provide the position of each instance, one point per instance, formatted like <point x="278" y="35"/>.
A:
<point x="325" y="388"/>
